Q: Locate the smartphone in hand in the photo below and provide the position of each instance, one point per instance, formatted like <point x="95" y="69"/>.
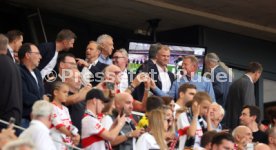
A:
<point x="122" y="112"/>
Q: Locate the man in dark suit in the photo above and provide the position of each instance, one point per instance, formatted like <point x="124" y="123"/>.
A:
<point x="242" y="93"/>
<point x="220" y="75"/>
<point x="64" y="41"/>
<point x="15" y="42"/>
<point x="92" y="63"/>
<point x="159" y="56"/>
<point x="11" y="89"/>
<point x="32" y="84"/>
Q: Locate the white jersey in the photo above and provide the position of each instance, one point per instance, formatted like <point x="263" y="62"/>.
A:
<point x="146" y="142"/>
<point x="60" y="117"/>
<point x="183" y="125"/>
<point x="91" y="129"/>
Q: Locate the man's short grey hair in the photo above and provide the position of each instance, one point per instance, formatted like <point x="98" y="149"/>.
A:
<point x="103" y="37"/>
<point x="193" y="59"/>
<point x="123" y="51"/>
<point x="42" y="108"/>
<point x="15" y="145"/>
<point x="221" y="109"/>
<point x="235" y="132"/>
<point x="3" y="42"/>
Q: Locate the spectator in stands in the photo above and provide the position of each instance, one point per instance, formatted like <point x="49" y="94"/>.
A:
<point x="32" y="84"/>
<point x="38" y="131"/>
<point x="20" y="144"/>
<point x="186" y="94"/>
<point x="241" y="93"/>
<point x="120" y="59"/>
<point x="223" y="141"/>
<point x="272" y="138"/>
<point x="105" y="42"/>
<point x="191" y="124"/>
<point x="15" y="42"/>
<point x="158" y="71"/>
<point x="154" y="139"/>
<point x="243" y="137"/>
<point x="69" y="74"/>
<point x="216" y="116"/>
<point x="169" y="101"/>
<point x="128" y="135"/>
<point x="189" y="66"/>
<point x="75" y="100"/>
<point x="112" y="75"/>
<point x="62" y="128"/>
<point x="11" y="89"/>
<point x="153" y="102"/>
<point x="250" y="117"/>
<point x="92" y="127"/>
<point x="206" y="140"/>
<point x="92" y="63"/>
<point x="64" y="41"/>
<point x="221" y="77"/>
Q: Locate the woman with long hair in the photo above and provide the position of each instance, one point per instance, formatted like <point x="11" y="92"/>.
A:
<point x="155" y="138"/>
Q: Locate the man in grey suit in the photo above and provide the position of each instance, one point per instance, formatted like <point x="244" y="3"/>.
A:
<point x="221" y="76"/>
<point x="241" y="93"/>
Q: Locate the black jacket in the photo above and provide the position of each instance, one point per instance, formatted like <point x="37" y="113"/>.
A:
<point x="11" y="90"/>
<point x="30" y="89"/>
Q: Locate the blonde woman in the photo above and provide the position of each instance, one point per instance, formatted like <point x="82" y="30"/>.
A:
<point x="155" y="138"/>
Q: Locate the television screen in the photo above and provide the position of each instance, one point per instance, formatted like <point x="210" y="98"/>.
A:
<point x="138" y="54"/>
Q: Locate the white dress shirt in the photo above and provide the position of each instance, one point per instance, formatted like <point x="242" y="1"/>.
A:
<point x="50" y="66"/>
<point x="11" y="52"/>
<point x="124" y="81"/>
<point x="39" y="134"/>
<point x="164" y="78"/>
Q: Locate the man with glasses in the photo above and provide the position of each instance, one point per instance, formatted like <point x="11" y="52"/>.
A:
<point x="120" y="59"/>
<point x="32" y="84"/>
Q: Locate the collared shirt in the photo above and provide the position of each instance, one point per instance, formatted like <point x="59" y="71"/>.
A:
<point x="11" y="52"/>
<point x="39" y="134"/>
<point x="105" y="60"/>
<point x="249" y="78"/>
<point x="50" y="66"/>
<point x="93" y="63"/>
<point x="201" y="83"/>
<point x="212" y="69"/>
<point x="164" y="78"/>
<point x="33" y="74"/>
<point x="124" y="81"/>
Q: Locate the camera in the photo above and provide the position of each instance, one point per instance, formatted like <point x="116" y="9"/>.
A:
<point x="110" y="85"/>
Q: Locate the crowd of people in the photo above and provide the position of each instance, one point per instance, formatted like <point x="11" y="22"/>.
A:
<point x="64" y="102"/>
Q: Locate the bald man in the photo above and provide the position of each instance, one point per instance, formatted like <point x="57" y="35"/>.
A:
<point x="128" y="134"/>
<point x="262" y="146"/>
<point x="243" y="136"/>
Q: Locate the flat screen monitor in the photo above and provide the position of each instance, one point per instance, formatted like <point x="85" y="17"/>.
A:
<point x="138" y="54"/>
